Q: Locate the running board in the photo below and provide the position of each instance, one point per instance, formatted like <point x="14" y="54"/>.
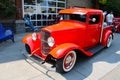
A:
<point x="39" y="61"/>
<point x="96" y="49"/>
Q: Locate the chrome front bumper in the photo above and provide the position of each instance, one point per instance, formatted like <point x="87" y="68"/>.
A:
<point x="48" y="66"/>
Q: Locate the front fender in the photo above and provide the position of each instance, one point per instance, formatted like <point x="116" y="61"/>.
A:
<point x="33" y="44"/>
<point x="26" y="38"/>
<point x="105" y="37"/>
<point x="62" y="49"/>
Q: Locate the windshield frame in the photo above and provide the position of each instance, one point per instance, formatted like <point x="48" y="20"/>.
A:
<point x="76" y="17"/>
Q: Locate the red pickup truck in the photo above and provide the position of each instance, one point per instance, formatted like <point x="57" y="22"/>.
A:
<point x="79" y="31"/>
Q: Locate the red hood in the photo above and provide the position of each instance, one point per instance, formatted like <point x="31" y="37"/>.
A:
<point x="65" y="25"/>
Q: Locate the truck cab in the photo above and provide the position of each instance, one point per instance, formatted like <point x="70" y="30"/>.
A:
<point x="78" y="31"/>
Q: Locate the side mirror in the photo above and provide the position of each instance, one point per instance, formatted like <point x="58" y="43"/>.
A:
<point x="93" y="20"/>
<point x="61" y="18"/>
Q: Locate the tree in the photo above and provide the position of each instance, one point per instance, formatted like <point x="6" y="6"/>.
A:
<point x="112" y="5"/>
<point x="103" y="2"/>
<point x="7" y="8"/>
<point x="107" y="5"/>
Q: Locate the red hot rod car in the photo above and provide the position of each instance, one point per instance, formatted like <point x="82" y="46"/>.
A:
<point x="79" y="31"/>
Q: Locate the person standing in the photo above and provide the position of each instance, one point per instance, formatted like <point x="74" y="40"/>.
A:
<point x="109" y="18"/>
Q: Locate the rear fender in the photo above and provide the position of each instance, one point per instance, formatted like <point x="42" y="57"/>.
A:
<point x="105" y="37"/>
<point x="33" y="44"/>
<point x="61" y="50"/>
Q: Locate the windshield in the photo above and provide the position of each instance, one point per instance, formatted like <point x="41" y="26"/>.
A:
<point x="76" y="17"/>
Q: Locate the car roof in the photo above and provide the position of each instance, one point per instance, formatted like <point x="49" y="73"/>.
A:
<point x="79" y="11"/>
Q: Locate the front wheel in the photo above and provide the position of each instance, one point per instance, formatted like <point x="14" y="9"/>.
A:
<point x="109" y="41"/>
<point x="27" y="47"/>
<point x="66" y="63"/>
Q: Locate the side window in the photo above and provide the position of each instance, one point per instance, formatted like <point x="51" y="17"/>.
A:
<point x="94" y="19"/>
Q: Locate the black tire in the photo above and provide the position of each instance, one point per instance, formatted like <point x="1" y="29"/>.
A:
<point x="66" y="63"/>
<point x="27" y="48"/>
<point x="109" y="41"/>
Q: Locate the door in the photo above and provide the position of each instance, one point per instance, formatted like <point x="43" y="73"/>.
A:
<point x="93" y="30"/>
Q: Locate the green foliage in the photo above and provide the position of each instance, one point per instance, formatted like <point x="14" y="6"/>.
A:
<point x="103" y="2"/>
<point x="112" y="5"/>
<point x="7" y="8"/>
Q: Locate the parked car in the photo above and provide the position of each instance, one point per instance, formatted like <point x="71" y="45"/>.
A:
<point x="116" y="24"/>
<point x="79" y="31"/>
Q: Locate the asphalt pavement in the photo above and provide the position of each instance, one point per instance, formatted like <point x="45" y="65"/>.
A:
<point x="105" y="65"/>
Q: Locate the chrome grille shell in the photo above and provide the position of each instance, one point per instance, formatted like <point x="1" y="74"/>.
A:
<point x="45" y="48"/>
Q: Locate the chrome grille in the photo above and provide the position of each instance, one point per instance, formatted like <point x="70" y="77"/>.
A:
<point x="45" y="49"/>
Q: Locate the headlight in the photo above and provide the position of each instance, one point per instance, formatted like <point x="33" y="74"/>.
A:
<point x="34" y="36"/>
<point x="50" y="41"/>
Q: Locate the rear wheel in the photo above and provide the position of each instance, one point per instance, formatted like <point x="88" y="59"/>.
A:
<point x="66" y="63"/>
<point x="109" y="41"/>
